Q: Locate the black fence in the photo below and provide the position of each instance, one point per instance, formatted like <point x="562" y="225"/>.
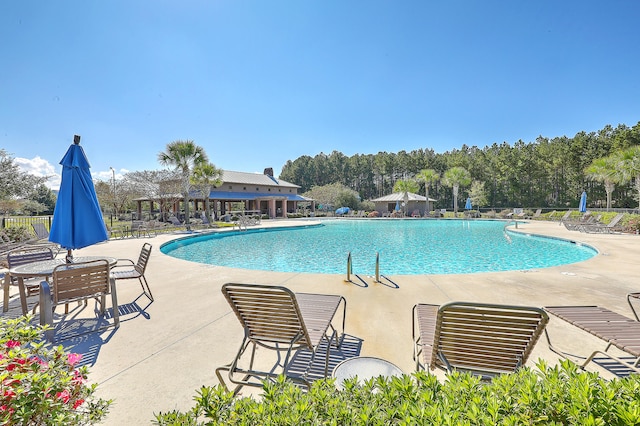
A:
<point x="25" y="221"/>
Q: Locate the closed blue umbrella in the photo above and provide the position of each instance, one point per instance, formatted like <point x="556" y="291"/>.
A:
<point x="468" y="206"/>
<point x="583" y="202"/>
<point x="77" y="219"/>
<point x="397" y="205"/>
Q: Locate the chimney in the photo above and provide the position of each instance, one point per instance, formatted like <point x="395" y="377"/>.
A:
<point x="269" y="171"/>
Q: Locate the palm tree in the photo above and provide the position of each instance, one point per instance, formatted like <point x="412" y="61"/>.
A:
<point x="184" y="156"/>
<point x="428" y="176"/>
<point x="628" y="165"/>
<point x="406" y="186"/>
<point x="604" y="170"/>
<point x="456" y="177"/>
<point x="205" y="177"/>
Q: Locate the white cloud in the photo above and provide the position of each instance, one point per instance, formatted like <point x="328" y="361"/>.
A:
<point x="108" y="174"/>
<point x="40" y="167"/>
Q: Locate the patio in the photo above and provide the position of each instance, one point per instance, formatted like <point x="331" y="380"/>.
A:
<point x="164" y="351"/>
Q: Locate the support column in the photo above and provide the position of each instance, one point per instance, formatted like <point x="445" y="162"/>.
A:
<point x="272" y="208"/>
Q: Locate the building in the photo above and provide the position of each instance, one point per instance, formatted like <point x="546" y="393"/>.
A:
<point x="392" y="202"/>
<point x="256" y="193"/>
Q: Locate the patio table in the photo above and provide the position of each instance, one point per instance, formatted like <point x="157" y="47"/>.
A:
<point x="365" y="368"/>
<point x="44" y="269"/>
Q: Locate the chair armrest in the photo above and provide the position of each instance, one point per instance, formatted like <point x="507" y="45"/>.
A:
<point x="129" y="263"/>
<point x="633" y="296"/>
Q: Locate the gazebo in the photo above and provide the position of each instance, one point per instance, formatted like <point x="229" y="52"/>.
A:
<point x="417" y="202"/>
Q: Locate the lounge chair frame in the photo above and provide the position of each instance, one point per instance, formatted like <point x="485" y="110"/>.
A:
<point x="275" y="318"/>
<point x="42" y="237"/>
<point x="599" y="228"/>
<point x="484" y="339"/>
<point x="616" y="329"/>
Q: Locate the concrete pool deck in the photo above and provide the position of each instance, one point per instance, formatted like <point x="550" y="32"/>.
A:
<point x="164" y="351"/>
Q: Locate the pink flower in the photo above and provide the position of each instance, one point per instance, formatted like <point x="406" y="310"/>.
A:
<point x="78" y="403"/>
<point x="78" y="379"/>
<point x="12" y="344"/>
<point x="73" y="359"/>
<point x="7" y="408"/>
<point x="64" y="396"/>
<point x="9" y="394"/>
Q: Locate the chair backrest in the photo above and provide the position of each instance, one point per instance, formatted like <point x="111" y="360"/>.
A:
<point x="22" y="256"/>
<point x="486" y="338"/>
<point x="78" y="281"/>
<point x="615" y="220"/>
<point x="138" y="225"/>
<point x="143" y="259"/>
<point x="41" y="231"/>
<point x="267" y="313"/>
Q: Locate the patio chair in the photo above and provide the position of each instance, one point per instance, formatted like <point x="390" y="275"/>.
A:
<point x="483" y="339"/>
<point x="23" y="256"/>
<point x="126" y="269"/>
<point x="141" y="228"/>
<point x="599" y="228"/>
<point x="615" y="329"/>
<point x="276" y="318"/>
<point x="175" y="222"/>
<point x="77" y="282"/>
<point x="573" y="225"/>
<point x="566" y="216"/>
<point x="40" y="230"/>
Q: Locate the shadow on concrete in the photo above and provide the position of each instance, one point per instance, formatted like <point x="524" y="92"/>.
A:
<point x="350" y="347"/>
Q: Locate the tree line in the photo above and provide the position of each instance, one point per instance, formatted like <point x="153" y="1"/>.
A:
<point x="548" y="172"/>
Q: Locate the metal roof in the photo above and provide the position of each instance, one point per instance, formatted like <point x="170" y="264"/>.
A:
<point x="241" y="196"/>
<point x="229" y="176"/>
<point x="399" y="196"/>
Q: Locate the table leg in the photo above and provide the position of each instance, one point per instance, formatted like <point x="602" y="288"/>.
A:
<point x="5" y="288"/>
<point x="23" y="295"/>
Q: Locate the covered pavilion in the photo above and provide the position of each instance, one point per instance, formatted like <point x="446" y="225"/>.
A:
<point x="260" y="194"/>
<point x="417" y="202"/>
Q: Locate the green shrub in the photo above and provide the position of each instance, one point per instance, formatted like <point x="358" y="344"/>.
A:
<point x="19" y="233"/>
<point x="560" y="395"/>
<point x="40" y="385"/>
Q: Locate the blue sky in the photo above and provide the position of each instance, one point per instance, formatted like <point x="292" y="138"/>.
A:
<point x="257" y="83"/>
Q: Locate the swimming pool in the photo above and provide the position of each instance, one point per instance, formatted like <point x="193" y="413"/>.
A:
<point x="405" y="247"/>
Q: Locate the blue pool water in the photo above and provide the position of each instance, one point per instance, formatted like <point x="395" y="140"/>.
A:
<point x="405" y="247"/>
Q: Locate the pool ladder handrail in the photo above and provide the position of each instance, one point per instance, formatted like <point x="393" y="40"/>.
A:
<point x="350" y="267"/>
<point x="506" y="234"/>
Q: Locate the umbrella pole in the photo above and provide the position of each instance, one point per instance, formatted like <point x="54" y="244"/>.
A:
<point x="69" y="256"/>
